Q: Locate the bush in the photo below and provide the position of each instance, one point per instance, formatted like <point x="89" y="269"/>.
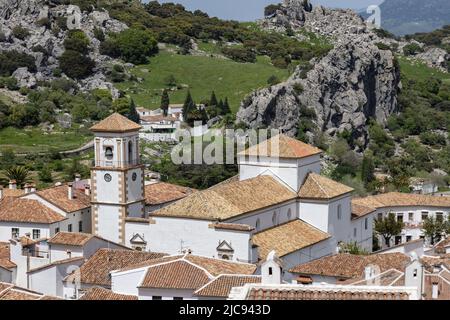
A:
<point x="412" y="49"/>
<point x="98" y="34"/>
<point x="77" y="40"/>
<point x="271" y="9"/>
<point x="9" y="83"/>
<point x="432" y="139"/>
<point x="44" y="22"/>
<point x="239" y="54"/>
<point x="63" y="84"/>
<point x="61" y="23"/>
<point x="57" y="72"/>
<point x="132" y="45"/>
<point x="273" y="80"/>
<point x="75" y="65"/>
<point x="11" y="60"/>
<point x="20" y="32"/>
<point x="298" y="88"/>
<point x="382" y="46"/>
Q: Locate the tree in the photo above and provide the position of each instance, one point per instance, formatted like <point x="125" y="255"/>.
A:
<point x="434" y="229"/>
<point x="188" y="106"/>
<point x="170" y="80"/>
<point x="352" y="248"/>
<point x="388" y="227"/>
<point x="76" y="65"/>
<point x="226" y="107"/>
<point x="367" y="170"/>
<point x="45" y="175"/>
<point x="77" y="40"/>
<point x="165" y="102"/>
<point x="273" y="80"/>
<point x="18" y="173"/>
<point x="8" y="158"/>
<point x="213" y="100"/>
<point x="135" y="45"/>
<point x="127" y="108"/>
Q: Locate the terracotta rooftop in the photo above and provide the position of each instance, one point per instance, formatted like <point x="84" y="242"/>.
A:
<point x="57" y="263"/>
<point x="320" y="187"/>
<point x="97" y="268"/>
<point x="74" y="238"/>
<point x="221" y="286"/>
<point x="359" y="210"/>
<point x="229" y="200"/>
<point x="58" y="196"/>
<point x="116" y="123"/>
<point x="391" y="277"/>
<point x="282" y="146"/>
<point x="99" y="293"/>
<point x="287" y="238"/>
<point x="324" y="293"/>
<point x="162" y="192"/>
<point x="232" y="226"/>
<point x="12" y="192"/>
<point x="4" y="256"/>
<point x="397" y="199"/>
<point x="178" y="274"/>
<point x="9" y="291"/>
<point x="442" y="245"/>
<point x="26" y="210"/>
<point x="351" y="266"/>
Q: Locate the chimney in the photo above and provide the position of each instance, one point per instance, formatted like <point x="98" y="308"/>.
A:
<point x="13" y="184"/>
<point x="87" y="190"/>
<point x="58" y="184"/>
<point x="1" y="192"/>
<point x="70" y="191"/>
<point x="272" y="270"/>
<point x="368" y="272"/>
<point x="32" y="188"/>
<point x="27" y="188"/>
<point x="77" y="177"/>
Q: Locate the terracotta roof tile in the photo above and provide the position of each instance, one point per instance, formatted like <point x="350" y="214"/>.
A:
<point x="97" y="268"/>
<point x="233" y="226"/>
<point x="392" y="277"/>
<point x="287" y="238"/>
<point x="13" y="192"/>
<point x="116" y="123"/>
<point x="320" y="187"/>
<point x="58" y="196"/>
<point x="57" y="263"/>
<point x="11" y="292"/>
<point x="71" y="238"/>
<point x="351" y="266"/>
<point x="162" y="192"/>
<point x="229" y="200"/>
<point x="5" y="256"/>
<point x="397" y="199"/>
<point x="221" y="286"/>
<point x="178" y="274"/>
<point x="359" y="210"/>
<point x="26" y="210"/>
<point x="282" y="146"/>
<point x="306" y="293"/>
<point x="99" y="293"/>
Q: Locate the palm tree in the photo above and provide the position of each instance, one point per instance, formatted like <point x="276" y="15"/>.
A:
<point x="18" y="173"/>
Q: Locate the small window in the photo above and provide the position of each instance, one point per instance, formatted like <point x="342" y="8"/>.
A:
<point x="289" y="214"/>
<point x="69" y="228"/>
<point x="380" y="215"/>
<point x="339" y="212"/>
<point x="258" y="224"/>
<point x="270" y="271"/>
<point x="156" y="298"/>
<point x="411" y="216"/>
<point x="15" y="233"/>
<point x="36" y="233"/>
<point x="274" y="218"/>
<point x="415" y="273"/>
<point x="109" y="153"/>
<point x="354" y="232"/>
<point x="439" y="216"/>
<point x="56" y="230"/>
<point x="424" y="215"/>
<point x="80" y="226"/>
<point x="408" y="238"/>
<point x="398" y="240"/>
<point x="400" y="217"/>
<point x="366" y="223"/>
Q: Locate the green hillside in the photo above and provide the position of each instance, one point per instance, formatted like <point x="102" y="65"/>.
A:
<point x="202" y="74"/>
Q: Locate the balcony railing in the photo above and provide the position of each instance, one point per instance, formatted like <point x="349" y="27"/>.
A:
<point x="117" y="164"/>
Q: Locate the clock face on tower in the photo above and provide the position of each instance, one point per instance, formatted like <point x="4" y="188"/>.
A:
<point x="108" y="177"/>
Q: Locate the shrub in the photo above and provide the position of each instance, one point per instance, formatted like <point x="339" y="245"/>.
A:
<point x="9" y="83"/>
<point x="63" y="84"/>
<point x="57" y="72"/>
<point x="20" y="32"/>
<point x="44" y="22"/>
<point x="298" y="88"/>
<point x="77" y="40"/>
<point x="412" y="49"/>
<point x="11" y="60"/>
<point x="273" y="80"/>
<point x="109" y="48"/>
<point x="75" y="65"/>
<point x="382" y="46"/>
<point x="98" y="34"/>
<point x="280" y="63"/>
<point x="239" y="54"/>
<point x="432" y="139"/>
<point x="271" y="9"/>
<point x="61" y="23"/>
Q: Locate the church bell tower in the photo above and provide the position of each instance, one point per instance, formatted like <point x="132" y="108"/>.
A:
<point x="117" y="177"/>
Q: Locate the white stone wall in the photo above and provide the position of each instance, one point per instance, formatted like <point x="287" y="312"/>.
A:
<point x="24" y="228"/>
<point x="61" y="252"/>
<point x="166" y="294"/>
<point x="127" y="282"/>
<point x="108" y="222"/>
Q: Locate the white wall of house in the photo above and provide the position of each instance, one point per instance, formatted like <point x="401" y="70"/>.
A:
<point x="24" y="229"/>
<point x="363" y="228"/>
<point x="172" y="235"/>
<point x="6" y="275"/>
<point x="61" y="252"/>
<point x="127" y="282"/>
<point x="49" y="280"/>
<point x="108" y="223"/>
<point x="166" y="294"/>
<point x="292" y="171"/>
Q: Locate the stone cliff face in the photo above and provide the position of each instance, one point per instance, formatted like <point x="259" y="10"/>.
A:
<point x="356" y="81"/>
<point x="27" y="14"/>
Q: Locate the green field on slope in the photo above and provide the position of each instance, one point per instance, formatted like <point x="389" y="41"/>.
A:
<point x="420" y="71"/>
<point x="202" y="74"/>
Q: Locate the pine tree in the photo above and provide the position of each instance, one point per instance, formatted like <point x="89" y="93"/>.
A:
<point x="188" y="108"/>
<point x="226" y="107"/>
<point x="367" y="170"/>
<point x="220" y="107"/>
<point x="213" y="100"/>
<point x="165" y="102"/>
<point x="133" y="115"/>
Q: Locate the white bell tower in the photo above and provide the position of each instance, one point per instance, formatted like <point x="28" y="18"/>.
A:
<point x="117" y="177"/>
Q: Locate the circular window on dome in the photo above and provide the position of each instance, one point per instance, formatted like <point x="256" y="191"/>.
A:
<point x="134" y="176"/>
<point x="108" y="177"/>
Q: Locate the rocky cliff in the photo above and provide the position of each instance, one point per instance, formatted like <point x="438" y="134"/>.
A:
<point x="43" y="20"/>
<point x="356" y="81"/>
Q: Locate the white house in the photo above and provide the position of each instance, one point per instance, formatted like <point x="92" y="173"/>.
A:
<point x="159" y="128"/>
